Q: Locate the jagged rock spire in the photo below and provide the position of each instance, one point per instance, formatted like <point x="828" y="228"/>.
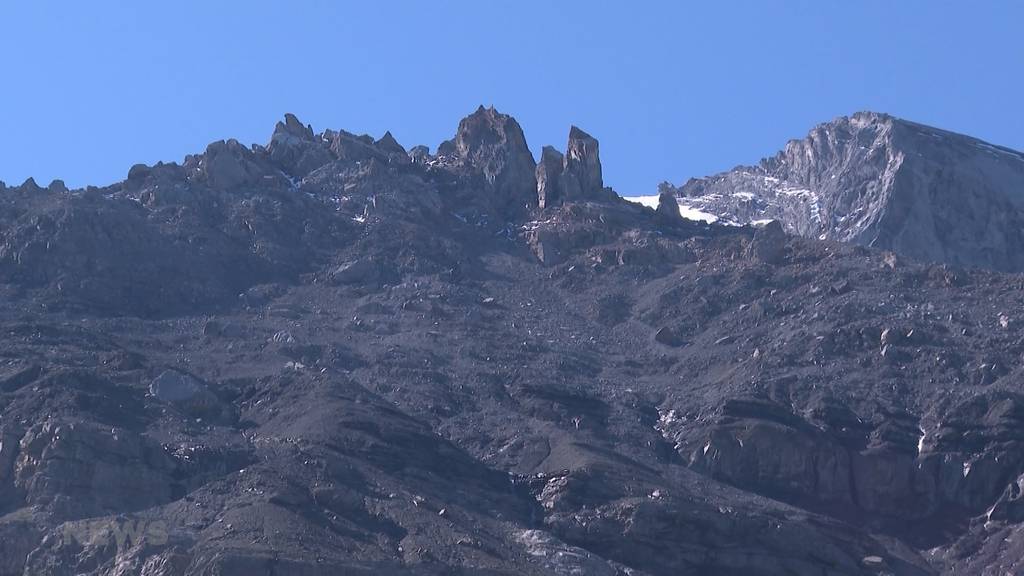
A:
<point x="574" y="176"/>
<point x="294" y="147"/>
<point x="668" y="206"/>
<point x="494" y="143"/>
<point x="293" y="127"/>
<point x="29" y="185"/>
<point x="388" y="144"/>
<point x="549" y="172"/>
<point x="583" y="161"/>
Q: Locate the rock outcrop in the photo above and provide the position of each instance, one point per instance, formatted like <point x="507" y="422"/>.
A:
<point x="668" y="207"/>
<point x="549" y="172"/>
<point x="574" y="176"/>
<point x="494" y="145"/>
<point x="769" y="243"/>
<point x="296" y="149"/>
<point x="582" y="165"/>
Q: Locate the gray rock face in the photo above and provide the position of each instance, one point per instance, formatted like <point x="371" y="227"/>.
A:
<point x="295" y="148"/>
<point x="769" y="243"/>
<point x="419" y="153"/>
<point x="78" y="470"/>
<point x="494" y="143"/>
<point x="879" y="181"/>
<point x="29" y="186"/>
<point x="549" y="171"/>
<point x="668" y="207"/>
<point x="583" y="161"/>
<point x="574" y="176"/>
<point x="57" y="187"/>
<point x="227" y="165"/>
<point x="388" y="144"/>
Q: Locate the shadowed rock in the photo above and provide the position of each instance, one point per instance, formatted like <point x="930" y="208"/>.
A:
<point x="494" y="144"/>
<point x="668" y="207"/>
<point x="549" y="172"/>
<point x="583" y="164"/>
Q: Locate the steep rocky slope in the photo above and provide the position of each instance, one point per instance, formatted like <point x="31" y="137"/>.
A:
<point x="879" y="181"/>
<point x="329" y="355"/>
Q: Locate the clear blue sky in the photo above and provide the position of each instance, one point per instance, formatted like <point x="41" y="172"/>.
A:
<point x="671" y="89"/>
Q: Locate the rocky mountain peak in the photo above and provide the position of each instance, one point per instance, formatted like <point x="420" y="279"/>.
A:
<point x="295" y="148"/>
<point x="388" y="144"/>
<point x="880" y="181"/>
<point x="494" y="143"/>
<point x="30" y="186"/>
<point x="293" y="127"/>
<point x="488" y="137"/>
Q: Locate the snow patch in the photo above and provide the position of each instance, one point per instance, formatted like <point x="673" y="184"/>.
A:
<point x="649" y="201"/>
<point x="685" y="210"/>
<point x="691" y="213"/>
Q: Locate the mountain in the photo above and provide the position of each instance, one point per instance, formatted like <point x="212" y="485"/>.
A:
<point x="879" y="181"/>
<point x="331" y="354"/>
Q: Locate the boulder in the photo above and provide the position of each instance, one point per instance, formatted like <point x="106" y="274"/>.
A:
<point x="186" y="393"/>
<point x="768" y="244"/>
